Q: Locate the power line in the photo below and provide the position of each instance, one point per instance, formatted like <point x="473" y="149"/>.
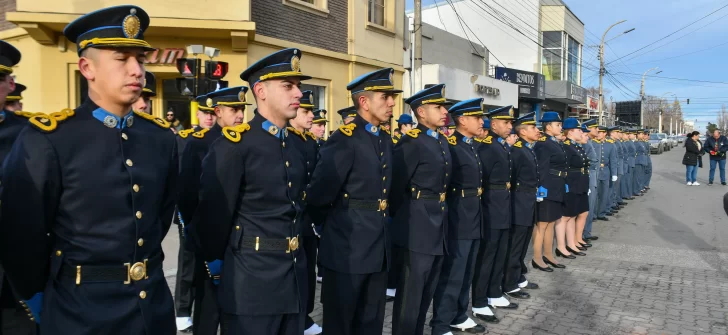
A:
<point x="462" y="22"/>
<point x="671" y="78"/>
<point x="685" y="54"/>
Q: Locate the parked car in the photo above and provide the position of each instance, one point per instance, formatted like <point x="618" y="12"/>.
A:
<point x="673" y="140"/>
<point x="657" y="146"/>
<point x="666" y="145"/>
<point x="680" y="138"/>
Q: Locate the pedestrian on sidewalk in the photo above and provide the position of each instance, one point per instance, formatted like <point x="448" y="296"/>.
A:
<point x="716" y="146"/>
<point x="691" y="159"/>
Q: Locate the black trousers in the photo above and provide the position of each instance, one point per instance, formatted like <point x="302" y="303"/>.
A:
<point x="15" y="321"/>
<point x="310" y="246"/>
<point x="517" y="247"/>
<point x="524" y="264"/>
<point x="489" y="267"/>
<point x="206" y="318"/>
<point x="183" y="290"/>
<point x="285" y="324"/>
<point x="452" y="295"/>
<point x="419" y="274"/>
<point x="393" y="276"/>
<point x="353" y="303"/>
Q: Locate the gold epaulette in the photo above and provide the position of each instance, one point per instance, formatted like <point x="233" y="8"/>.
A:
<point x="414" y="133"/>
<point x="185" y="132"/>
<point x="31" y="114"/>
<point x="387" y="131"/>
<point x="234" y="133"/>
<point x="348" y="129"/>
<point x="452" y="140"/>
<point x="478" y="140"/>
<point x="597" y="141"/>
<point x="542" y="139"/>
<point x="295" y="131"/>
<point x="395" y="140"/>
<point x="310" y="134"/>
<point x="201" y="133"/>
<point x="48" y="122"/>
<point x="567" y="142"/>
<point x="610" y="141"/>
<point x="518" y="144"/>
<point x="158" y="121"/>
<point x="488" y="140"/>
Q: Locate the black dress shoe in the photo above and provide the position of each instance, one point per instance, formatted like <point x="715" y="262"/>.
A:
<point x="486" y="318"/>
<point x="580" y="248"/>
<point x="186" y="331"/>
<point x="531" y="286"/>
<point x="477" y="329"/>
<point x="562" y="255"/>
<point x="602" y="218"/>
<point x="622" y="203"/>
<point x="519" y="295"/>
<point x="574" y="252"/>
<point x="585" y="245"/>
<point x="389" y="299"/>
<point x="610" y="214"/>
<point x="558" y="266"/>
<point x="536" y="266"/>
<point x="591" y="238"/>
<point x="630" y="198"/>
<point x="510" y="306"/>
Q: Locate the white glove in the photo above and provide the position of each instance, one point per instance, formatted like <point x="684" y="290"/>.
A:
<point x="539" y="199"/>
<point x="614" y="178"/>
<point x="588" y="192"/>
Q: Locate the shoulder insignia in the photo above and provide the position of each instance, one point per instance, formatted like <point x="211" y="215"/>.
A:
<point x="478" y="140"/>
<point x="597" y="141"/>
<point x="185" y="132"/>
<point x="47" y="122"/>
<point x="386" y="131"/>
<point x="295" y="131"/>
<point x="518" y="144"/>
<point x="414" y="133"/>
<point x="452" y="140"/>
<point x="567" y="142"/>
<point x="233" y="133"/>
<point x="395" y="140"/>
<point x="158" y="121"/>
<point x="488" y="140"/>
<point x="310" y="134"/>
<point x="201" y="133"/>
<point x="441" y="133"/>
<point x="31" y="114"/>
<point x="610" y="141"/>
<point x="348" y="129"/>
<point x="542" y="139"/>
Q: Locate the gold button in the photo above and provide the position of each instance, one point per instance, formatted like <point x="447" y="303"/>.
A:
<point x="124" y="136"/>
<point x="385" y="191"/>
<point x="283" y="144"/>
<point x="58" y="253"/>
<point x="237" y="227"/>
<point x="346" y="195"/>
<point x="287" y="165"/>
<point x="135" y="188"/>
<point x="381" y="154"/>
<point x="293" y="203"/>
<point x="143" y="294"/>
<point x="140" y="242"/>
<point x="139" y="215"/>
<point x="129" y="162"/>
<point x="384" y="166"/>
<point x="289" y="184"/>
<point x="384" y="178"/>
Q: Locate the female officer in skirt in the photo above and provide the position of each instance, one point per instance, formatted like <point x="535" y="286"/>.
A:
<point x="550" y="195"/>
<point x="576" y="199"/>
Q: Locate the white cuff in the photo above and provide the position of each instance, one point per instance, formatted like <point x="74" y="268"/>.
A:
<point x="523" y="285"/>
<point x="483" y="311"/>
<point x="469" y="323"/>
<point x="391" y="292"/>
<point x="499" y="302"/>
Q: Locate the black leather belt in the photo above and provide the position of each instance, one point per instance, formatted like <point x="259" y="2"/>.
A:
<point x="531" y="190"/>
<point x="367" y="205"/>
<point x="558" y="173"/>
<point x="495" y="187"/>
<point x="581" y="170"/>
<point x="270" y="244"/>
<point x="467" y="192"/>
<point x="427" y="195"/>
<point x="125" y="273"/>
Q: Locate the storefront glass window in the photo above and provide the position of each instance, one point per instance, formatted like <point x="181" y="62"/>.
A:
<point x="376" y="12"/>
<point x="574" y="51"/>
<point x="552" y="55"/>
<point x="175" y="102"/>
<point x="319" y="95"/>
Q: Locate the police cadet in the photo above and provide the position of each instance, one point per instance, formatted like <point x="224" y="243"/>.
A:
<point x="593" y="148"/>
<point x="405" y="124"/>
<point x="13" y="100"/>
<point x="318" y="127"/>
<point x="144" y="103"/>
<point x="465" y="225"/>
<point x="422" y="167"/>
<point x="250" y="207"/>
<point x="347" y="114"/>
<point x="631" y="156"/>
<point x="615" y="134"/>
<point x="641" y="162"/>
<point x="495" y="159"/>
<point x="106" y="203"/>
<point x="12" y="121"/>
<point x="648" y="170"/>
<point x="607" y="175"/>
<point x="576" y="200"/>
<point x="305" y="142"/>
<point x="524" y="182"/>
<point x="351" y="184"/>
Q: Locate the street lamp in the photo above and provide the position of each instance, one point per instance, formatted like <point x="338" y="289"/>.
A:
<point x="659" y="123"/>
<point x="601" y="66"/>
<point x="642" y="95"/>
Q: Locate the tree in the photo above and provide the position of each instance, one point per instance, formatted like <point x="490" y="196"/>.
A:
<point x="711" y="127"/>
<point x="722" y="118"/>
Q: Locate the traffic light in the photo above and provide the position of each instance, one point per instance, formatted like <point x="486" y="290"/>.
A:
<point x="212" y="85"/>
<point x="188" y="67"/>
<point x="215" y="70"/>
<point x="186" y="86"/>
<point x="688" y="101"/>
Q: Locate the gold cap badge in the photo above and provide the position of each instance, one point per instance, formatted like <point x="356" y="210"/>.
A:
<point x="131" y="25"/>
<point x="208" y="102"/>
<point x="241" y="96"/>
<point x="295" y="64"/>
<point x="443" y="92"/>
<point x="510" y="112"/>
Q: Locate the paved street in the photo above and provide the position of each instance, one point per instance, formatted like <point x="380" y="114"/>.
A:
<point x="660" y="267"/>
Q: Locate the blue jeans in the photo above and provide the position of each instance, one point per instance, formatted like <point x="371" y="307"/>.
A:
<point x="720" y="163"/>
<point x="691" y="173"/>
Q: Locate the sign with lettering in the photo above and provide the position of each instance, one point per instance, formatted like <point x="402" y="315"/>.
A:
<point x="577" y="92"/>
<point x="530" y="84"/>
<point x="168" y="56"/>
<point x="487" y="90"/>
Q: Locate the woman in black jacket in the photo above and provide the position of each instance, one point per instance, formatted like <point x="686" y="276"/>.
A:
<point x="690" y="159"/>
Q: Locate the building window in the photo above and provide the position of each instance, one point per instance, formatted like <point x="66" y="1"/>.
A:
<point x="318" y="7"/>
<point x="574" y="62"/>
<point x="319" y="95"/>
<point x="553" y="54"/>
<point x="376" y="12"/>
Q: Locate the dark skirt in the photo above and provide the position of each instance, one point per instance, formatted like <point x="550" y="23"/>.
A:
<point x="575" y="204"/>
<point x="549" y="211"/>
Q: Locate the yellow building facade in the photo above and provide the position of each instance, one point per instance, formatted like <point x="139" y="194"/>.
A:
<point x="366" y="43"/>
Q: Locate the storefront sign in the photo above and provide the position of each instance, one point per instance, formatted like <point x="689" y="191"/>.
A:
<point x="487" y="90"/>
<point x="168" y="56"/>
<point x="577" y="93"/>
<point x="530" y="84"/>
<point x="593" y="103"/>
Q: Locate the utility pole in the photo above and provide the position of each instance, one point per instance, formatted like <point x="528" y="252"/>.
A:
<point x="602" y="71"/>
<point x="659" y="123"/>
<point x="642" y="96"/>
<point x="417" y="66"/>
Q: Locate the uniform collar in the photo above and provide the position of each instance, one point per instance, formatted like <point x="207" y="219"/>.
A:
<point x="468" y="140"/>
<point x="3" y="115"/>
<point x="111" y="120"/>
<point x="370" y="128"/>
<point x="431" y="133"/>
<point x="553" y="139"/>
<point x="270" y="128"/>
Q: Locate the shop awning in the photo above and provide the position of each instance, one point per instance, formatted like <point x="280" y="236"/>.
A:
<point x="565" y="92"/>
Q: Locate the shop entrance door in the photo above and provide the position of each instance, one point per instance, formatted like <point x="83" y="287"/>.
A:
<point x="178" y="103"/>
